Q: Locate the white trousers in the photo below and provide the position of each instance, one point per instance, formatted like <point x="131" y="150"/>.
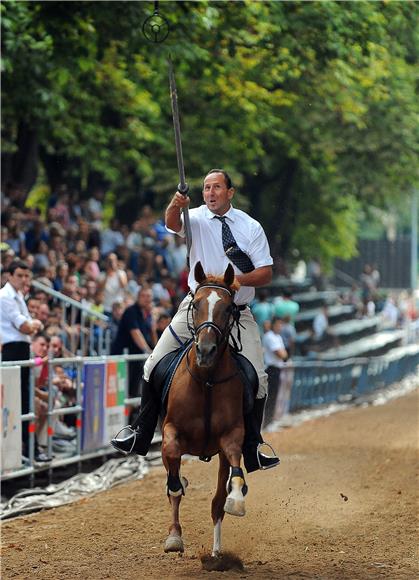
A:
<point x="250" y="339"/>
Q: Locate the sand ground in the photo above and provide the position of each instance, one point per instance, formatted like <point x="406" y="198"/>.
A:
<point x="343" y="505"/>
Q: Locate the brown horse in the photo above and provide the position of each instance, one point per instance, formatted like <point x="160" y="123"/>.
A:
<point x="205" y="406"/>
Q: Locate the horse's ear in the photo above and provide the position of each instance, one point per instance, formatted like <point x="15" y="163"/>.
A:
<point x="199" y="273"/>
<point x="229" y="275"/>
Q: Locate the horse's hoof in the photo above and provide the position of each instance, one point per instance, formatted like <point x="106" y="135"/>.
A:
<point x="174" y="544"/>
<point x="235" y="506"/>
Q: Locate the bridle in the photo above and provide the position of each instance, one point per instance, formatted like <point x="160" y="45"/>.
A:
<point x="222" y="334"/>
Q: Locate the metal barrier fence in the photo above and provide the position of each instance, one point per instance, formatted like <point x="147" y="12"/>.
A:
<point x="101" y="386"/>
<point x="319" y="383"/>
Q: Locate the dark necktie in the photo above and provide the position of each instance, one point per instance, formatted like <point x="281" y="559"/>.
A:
<point x="232" y="250"/>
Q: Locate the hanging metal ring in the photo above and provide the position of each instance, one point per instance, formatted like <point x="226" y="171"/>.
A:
<point x="156" y="28"/>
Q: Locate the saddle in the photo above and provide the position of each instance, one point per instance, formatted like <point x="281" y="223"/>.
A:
<point x="162" y="376"/>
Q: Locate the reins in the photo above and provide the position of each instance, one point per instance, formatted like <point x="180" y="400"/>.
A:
<point x="222" y="340"/>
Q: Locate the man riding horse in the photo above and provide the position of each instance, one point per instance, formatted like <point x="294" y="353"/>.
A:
<point x="221" y="235"/>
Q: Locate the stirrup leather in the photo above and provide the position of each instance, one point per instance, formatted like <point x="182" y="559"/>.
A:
<point x="273" y="456"/>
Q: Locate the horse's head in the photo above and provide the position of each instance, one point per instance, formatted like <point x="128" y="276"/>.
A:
<point x="212" y="313"/>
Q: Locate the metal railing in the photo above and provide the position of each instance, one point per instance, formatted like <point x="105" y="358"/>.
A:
<point x="94" y="335"/>
<point x="29" y="465"/>
<point x="311" y="384"/>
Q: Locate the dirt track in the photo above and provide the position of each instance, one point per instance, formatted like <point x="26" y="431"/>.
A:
<point x="342" y="505"/>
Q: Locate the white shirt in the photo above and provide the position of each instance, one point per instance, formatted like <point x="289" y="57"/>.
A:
<point x="13" y="313"/>
<point x="207" y="245"/>
<point x="272" y="342"/>
<point x="320" y="325"/>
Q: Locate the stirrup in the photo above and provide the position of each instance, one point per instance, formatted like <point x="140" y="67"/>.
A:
<point x="273" y="456"/>
<point x="134" y="439"/>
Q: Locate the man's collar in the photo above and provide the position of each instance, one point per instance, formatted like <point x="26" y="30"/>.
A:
<point x="17" y="292"/>
<point x="230" y="214"/>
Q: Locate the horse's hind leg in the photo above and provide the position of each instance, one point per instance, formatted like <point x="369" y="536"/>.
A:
<point x="176" y="486"/>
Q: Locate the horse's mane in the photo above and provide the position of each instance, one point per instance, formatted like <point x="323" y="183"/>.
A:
<point x="219" y="280"/>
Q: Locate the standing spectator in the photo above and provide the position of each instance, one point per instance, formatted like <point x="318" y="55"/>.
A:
<point x="262" y="309"/>
<point x="117" y="312"/>
<point x="163" y="322"/>
<point x="314" y="271"/>
<point x="321" y="324"/>
<point x="286" y="306"/>
<point x="113" y="282"/>
<point x="288" y="335"/>
<point x="275" y="355"/>
<point x="137" y="333"/>
<point x="16" y="327"/>
<point x="367" y="284"/>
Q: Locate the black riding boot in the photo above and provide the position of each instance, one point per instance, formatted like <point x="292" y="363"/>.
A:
<point x="142" y="429"/>
<point x="253" y="458"/>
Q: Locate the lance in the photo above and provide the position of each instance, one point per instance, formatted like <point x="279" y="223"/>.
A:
<point x="183" y="187"/>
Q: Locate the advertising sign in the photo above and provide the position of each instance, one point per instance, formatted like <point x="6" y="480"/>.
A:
<point x="10" y="422"/>
<point x="93" y="423"/>
<point x="116" y="378"/>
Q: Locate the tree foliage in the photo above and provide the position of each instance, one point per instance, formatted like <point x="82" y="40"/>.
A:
<point x="310" y="105"/>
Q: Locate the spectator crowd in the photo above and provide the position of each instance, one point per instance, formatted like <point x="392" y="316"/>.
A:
<point x="136" y="276"/>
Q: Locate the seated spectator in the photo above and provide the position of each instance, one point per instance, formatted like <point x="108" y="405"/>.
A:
<point x="40" y="345"/>
<point x="33" y="304"/>
<point x="111" y="238"/>
<point x="91" y="269"/>
<point x="390" y="312"/>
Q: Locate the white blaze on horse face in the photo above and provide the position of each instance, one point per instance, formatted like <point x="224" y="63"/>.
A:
<point x="213" y="298"/>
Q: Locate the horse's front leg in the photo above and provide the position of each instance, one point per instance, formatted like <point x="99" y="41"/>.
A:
<point x="231" y="445"/>
<point x="176" y="485"/>
<point x="217" y="506"/>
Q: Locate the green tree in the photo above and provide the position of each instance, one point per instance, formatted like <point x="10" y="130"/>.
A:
<point x="310" y="105"/>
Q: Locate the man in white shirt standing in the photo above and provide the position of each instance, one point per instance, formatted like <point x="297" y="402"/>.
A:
<point x="275" y="356"/>
<point x="221" y="235"/>
<point x="17" y="326"/>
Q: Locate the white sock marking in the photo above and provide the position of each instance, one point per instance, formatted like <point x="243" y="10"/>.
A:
<point x="216" y="549"/>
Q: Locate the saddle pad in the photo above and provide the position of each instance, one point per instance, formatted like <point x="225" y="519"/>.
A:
<point x="163" y="373"/>
<point x="250" y="380"/>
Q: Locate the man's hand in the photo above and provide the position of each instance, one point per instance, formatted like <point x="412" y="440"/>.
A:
<point x="172" y="217"/>
<point x="180" y="200"/>
<point x="37" y="326"/>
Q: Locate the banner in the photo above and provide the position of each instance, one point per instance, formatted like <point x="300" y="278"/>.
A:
<point x="116" y="380"/>
<point x="93" y="423"/>
<point x="10" y="422"/>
